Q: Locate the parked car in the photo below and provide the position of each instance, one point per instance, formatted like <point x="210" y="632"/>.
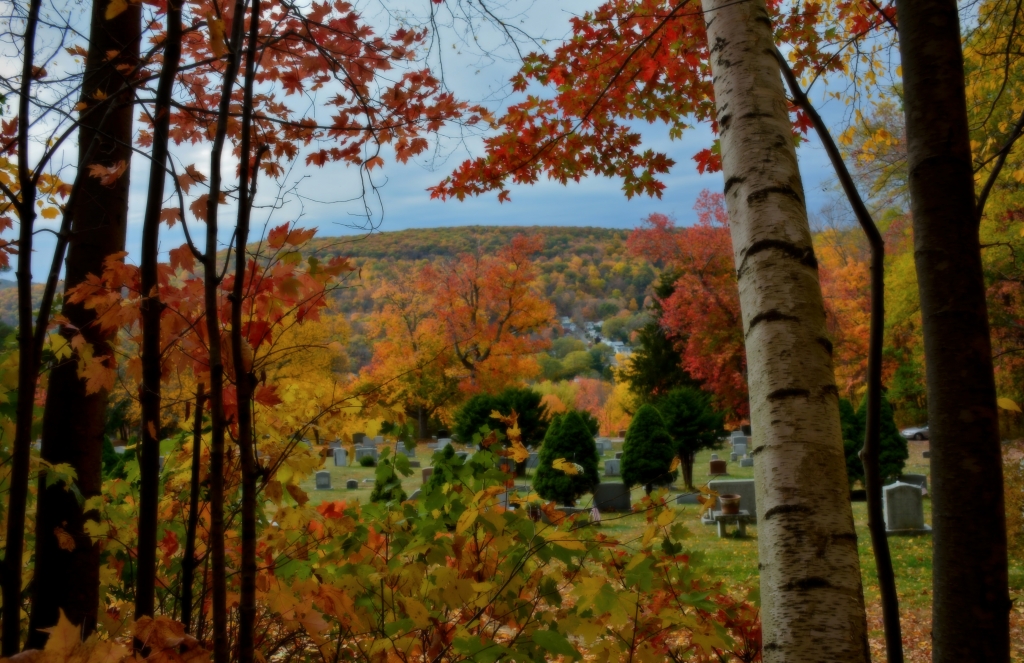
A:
<point x="915" y="433"/>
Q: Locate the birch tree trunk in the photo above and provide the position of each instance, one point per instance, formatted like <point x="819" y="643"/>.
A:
<point x="971" y="606"/>
<point x="811" y="595"/>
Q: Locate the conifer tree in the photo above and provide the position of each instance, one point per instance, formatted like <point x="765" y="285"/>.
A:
<point x="648" y="450"/>
<point x="693" y="423"/>
<point x="387" y="487"/>
<point x="570" y="438"/>
<point x="892" y="445"/>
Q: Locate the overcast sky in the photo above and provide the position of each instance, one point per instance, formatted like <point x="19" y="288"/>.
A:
<point x="318" y="194"/>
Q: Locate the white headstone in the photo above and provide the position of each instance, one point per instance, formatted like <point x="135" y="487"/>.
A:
<point x="323" y="480"/>
<point x="746" y="462"/>
<point x="742" y="487"/>
<point x="739" y="439"/>
<point x="903" y="507"/>
<point x="612" y="467"/>
<point x="741" y="449"/>
<point x="443" y="442"/>
<point x="341" y="457"/>
<point x="533" y="461"/>
<point x="362" y="452"/>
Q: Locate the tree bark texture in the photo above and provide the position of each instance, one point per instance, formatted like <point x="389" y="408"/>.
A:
<point x="871" y="452"/>
<point x="970" y="609"/>
<point x="73" y="421"/>
<point x="812" y="600"/>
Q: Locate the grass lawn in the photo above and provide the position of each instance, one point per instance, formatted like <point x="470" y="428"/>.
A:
<point x="735" y="560"/>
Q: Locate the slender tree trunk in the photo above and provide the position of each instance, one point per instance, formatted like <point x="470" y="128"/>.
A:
<point x="149" y="392"/>
<point x="242" y="364"/>
<point x="188" y="562"/>
<point x="686" y="461"/>
<point x="74" y="422"/>
<point x="813" y="604"/>
<point x="970" y="608"/>
<point x="211" y="283"/>
<point x="871" y="452"/>
<point x="18" y="497"/>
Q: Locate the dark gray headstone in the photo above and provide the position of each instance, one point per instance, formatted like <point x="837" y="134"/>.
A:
<point x="612" y="497"/>
<point x="916" y="479"/>
<point x="357" y="438"/>
<point x="323" y="480"/>
<point x="688" y="498"/>
<point x="414" y="463"/>
<point x="618" y="455"/>
<point x="362" y="452"/>
<point x="742" y="487"/>
<point x="352" y="484"/>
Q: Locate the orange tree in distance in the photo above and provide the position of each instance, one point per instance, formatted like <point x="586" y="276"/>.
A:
<point x="491" y="313"/>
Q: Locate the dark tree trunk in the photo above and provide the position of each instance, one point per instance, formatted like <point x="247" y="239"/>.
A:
<point x="970" y="610"/>
<point x="188" y="562"/>
<point x="211" y="283"/>
<point x="686" y="463"/>
<point x="243" y="377"/>
<point x="74" y="422"/>
<point x="149" y="392"/>
<point x="27" y="373"/>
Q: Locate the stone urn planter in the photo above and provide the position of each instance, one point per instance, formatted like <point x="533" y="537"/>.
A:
<point x="730" y="504"/>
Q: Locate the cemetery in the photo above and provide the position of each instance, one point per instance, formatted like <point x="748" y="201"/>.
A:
<point x="729" y="543"/>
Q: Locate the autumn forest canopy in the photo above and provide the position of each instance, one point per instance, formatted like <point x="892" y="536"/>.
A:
<point x="493" y="443"/>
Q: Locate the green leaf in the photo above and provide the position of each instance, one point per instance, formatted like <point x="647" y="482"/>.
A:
<point x="555" y="643"/>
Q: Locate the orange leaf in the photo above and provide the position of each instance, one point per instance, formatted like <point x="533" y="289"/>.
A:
<point x="108" y="175"/>
<point x="64" y="540"/>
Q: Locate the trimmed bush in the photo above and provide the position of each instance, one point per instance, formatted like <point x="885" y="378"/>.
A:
<point x="476" y="413"/>
<point x="367" y="461"/>
<point x="648" y="450"/>
<point x="893" y="446"/>
<point x="693" y="423"/>
<point x="570" y="438"/>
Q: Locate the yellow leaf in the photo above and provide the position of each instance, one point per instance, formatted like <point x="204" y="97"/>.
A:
<point x="1007" y="404"/>
<point x="63" y="638"/>
<point x="217" y="44"/>
<point x="666" y="517"/>
<point x="649" y="534"/>
<point x="417" y="612"/>
<point x="115" y="7"/>
<point x="566" y="540"/>
<point x="465" y="520"/>
<point x="519" y="452"/>
<point x="50" y="212"/>
<point x="675" y="464"/>
<point x="563" y="465"/>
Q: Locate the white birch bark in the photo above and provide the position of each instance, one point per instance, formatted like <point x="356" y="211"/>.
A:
<point x="811" y="595"/>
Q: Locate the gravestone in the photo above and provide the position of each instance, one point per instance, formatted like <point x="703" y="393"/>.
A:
<point x="368" y="480"/>
<point x="431" y="446"/>
<point x="603" y="444"/>
<point x="738" y="439"/>
<point x="718" y="467"/>
<point x="735" y="434"/>
<point x="336" y="444"/>
<point x="379" y="440"/>
<point x="362" y="452"/>
<point x="533" y="461"/>
<point x="443" y="442"/>
<point x="926" y="454"/>
<point x="612" y="468"/>
<point x="405" y="449"/>
<point x="160" y="467"/>
<point x="323" y="480"/>
<point x="618" y="455"/>
<point x="714" y="456"/>
<point x="916" y="479"/>
<point x="746" y="462"/>
<point x="427" y="471"/>
<point x="734" y="457"/>
<point x="357" y="438"/>
<point x="352" y="484"/>
<point x="612" y="496"/>
<point x="414" y="463"/>
<point x="416" y="494"/>
<point x="742" y="487"/>
<point x="746" y="429"/>
<point x="464" y="455"/>
<point x="688" y="498"/>
<point x="741" y="449"/>
<point x="341" y="457"/>
<point x="903" y="508"/>
<point x="622" y="433"/>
